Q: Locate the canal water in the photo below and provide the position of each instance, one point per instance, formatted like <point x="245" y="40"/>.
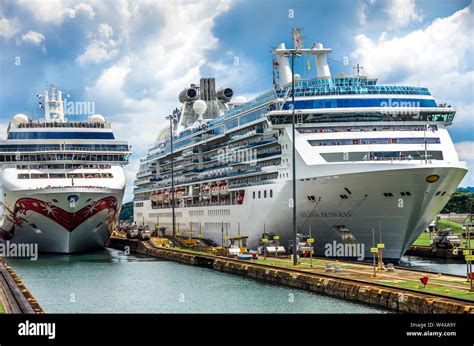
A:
<point x="435" y="265"/>
<point x="108" y="281"/>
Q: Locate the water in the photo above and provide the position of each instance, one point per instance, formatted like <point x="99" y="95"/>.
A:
<point x="108" y="281"/>
<point x="435" y="265"/>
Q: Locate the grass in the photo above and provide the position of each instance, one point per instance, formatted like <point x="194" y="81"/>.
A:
<point x="423" y="240"/>
<point x="2" y="309"/>
<point x="456" y="227"/>
<point x="418" y="286"/>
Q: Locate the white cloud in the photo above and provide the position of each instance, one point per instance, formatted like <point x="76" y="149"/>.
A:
<point x="401" y="13"/>
<point x="465" y="150"/>
<point x="9" y="27"/>
<point x="33" y="37"/>
<point x="101" y="47"/>
<point x="56" y="11"/>
<point x="105" y="31"/>
<point x="85" y="9"/>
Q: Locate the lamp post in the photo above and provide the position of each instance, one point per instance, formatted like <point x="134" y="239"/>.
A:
<point x="170" y="117"/>
<point x="293" y="53"/>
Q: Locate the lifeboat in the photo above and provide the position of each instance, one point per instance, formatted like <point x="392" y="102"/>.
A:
<point x="215" y="189"/>
<point x="240" y="199"/>
<point x="154" y="197"/>
<point x="223" y="188"/>
<point x="159" y="196"/>
<point x="205" y="192"/>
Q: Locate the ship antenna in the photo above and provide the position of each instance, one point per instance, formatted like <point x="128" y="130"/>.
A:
<point x="358" y="68"/>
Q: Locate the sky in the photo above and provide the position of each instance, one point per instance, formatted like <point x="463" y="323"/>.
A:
<point x="130" y="59"/>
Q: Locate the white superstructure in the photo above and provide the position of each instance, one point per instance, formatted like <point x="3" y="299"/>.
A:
<point x="63" y="181"/>
<point x="367" y="156"/>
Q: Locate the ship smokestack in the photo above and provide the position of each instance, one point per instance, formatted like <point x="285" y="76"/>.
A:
<point x="284" y="67"/>
<point x="322" y="67"/>
<point x="208" y="89"/>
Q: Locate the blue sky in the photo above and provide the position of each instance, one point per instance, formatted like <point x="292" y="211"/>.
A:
<point x="131" y="58"/>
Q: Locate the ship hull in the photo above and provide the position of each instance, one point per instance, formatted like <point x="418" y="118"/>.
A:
<point x="48" y="218"/>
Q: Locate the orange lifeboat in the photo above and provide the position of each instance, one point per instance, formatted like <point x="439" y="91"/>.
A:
<point x="223" y="188"/>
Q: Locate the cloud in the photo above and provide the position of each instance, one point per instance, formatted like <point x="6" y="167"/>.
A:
<point x="33" y="37"/>
<point x="8" y="27"/>
<point x="401" y="13"/>
<point x="56" y="11"/>
<point x="465" y="150"/>
<point x="101" y="47"/>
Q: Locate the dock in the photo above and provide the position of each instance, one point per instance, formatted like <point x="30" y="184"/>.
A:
<point x="14" y="296"/>
<point x="400" y="290"/>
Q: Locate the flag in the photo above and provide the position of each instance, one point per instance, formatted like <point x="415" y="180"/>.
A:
<point x="308" y="64"/>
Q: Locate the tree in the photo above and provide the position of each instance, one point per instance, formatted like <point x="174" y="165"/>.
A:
<point x="126" y="214"/>
<point x="461" y="202"/>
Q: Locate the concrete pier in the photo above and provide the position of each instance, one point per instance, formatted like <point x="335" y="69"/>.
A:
<point x="395" y="290"/>
<point x="14" y="296"/>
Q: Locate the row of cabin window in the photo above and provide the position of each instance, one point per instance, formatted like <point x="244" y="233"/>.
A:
<point x="264" y="194"/>
<point x="64" y="175"/>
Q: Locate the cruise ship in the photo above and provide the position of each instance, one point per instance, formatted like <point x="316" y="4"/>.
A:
<point x="374" y="163"/>
<point x="63" y="181"/>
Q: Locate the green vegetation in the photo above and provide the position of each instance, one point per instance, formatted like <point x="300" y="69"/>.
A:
<point x="459" y="202"/>
<point x="126" y="214"/>
<point x="2" y="309"/>
<point x="456" y="227"/>
<point x="418" y="286"/>
<point x="423" y="240"/>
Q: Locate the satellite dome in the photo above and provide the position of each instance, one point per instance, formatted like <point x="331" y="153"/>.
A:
<point x="297" y="77"/>
<point x="199" y="107"/>
<point x="239" y="100"/>
<point x="97" y="118"/>
<point x="163" y="134"/>
<point x="20" y="119"/>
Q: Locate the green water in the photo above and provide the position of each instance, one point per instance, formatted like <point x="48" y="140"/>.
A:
<point x="109" y="281"/>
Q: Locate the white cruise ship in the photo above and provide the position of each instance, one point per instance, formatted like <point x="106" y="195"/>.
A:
<point x="63" y="181"/>
<point x="367" y="156"/>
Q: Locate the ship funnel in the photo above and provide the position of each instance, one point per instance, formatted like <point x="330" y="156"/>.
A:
<point x="188" y="95"/>
<point x="284" y="67"/>
<point x="208" y="89"/>
<point x="322" y="67"/>
<point x="225" y="94"/>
